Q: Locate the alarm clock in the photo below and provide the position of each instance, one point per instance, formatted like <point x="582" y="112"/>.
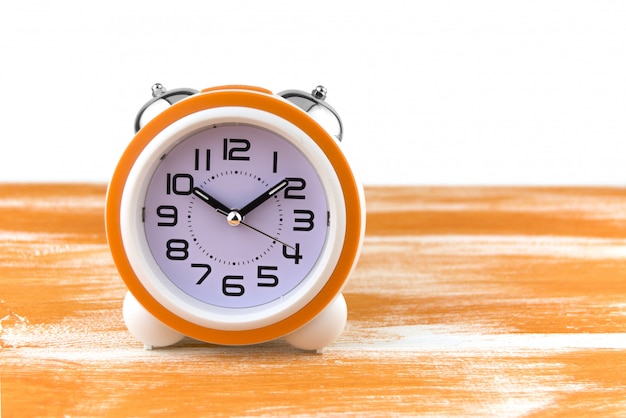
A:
<point x="234" y="218"/>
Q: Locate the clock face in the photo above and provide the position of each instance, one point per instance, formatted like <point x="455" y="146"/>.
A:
<point x="235" y="216"/>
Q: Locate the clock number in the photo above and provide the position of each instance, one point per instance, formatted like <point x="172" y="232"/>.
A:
<point x="296" y="257"/>
<point x="167" y="212"/>
<point x="206" y="273"/>
<point x="197" y="160"/>
<point x="177" y="249"/>
<point x="306" y="220"/>
<point x="181" y="184"/>
<point x="275" y="163"/>
<point x="230" y="288"/>
<point x="242" y="147"/>
<point x="272" y="280"/>
<point x="295" y="185"/>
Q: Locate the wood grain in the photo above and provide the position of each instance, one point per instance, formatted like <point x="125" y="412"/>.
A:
<point x="466" y="302"/>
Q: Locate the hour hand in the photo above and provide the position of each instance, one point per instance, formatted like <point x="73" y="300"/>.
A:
<point x="262" y="198"/>
<point x="210" y="200"/>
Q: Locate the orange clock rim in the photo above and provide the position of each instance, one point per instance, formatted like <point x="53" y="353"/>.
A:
<point x="256" y="98"/>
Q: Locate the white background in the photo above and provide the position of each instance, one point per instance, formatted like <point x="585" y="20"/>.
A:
<point x="430" y="92"/>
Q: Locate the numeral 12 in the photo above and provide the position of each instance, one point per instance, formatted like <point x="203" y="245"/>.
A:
<point x="235" y="149"/>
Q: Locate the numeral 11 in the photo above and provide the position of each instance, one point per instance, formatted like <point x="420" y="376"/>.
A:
<point x="198" y="158"/>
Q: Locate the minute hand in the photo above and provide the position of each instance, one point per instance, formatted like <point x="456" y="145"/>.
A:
<point x="262" y="198"/>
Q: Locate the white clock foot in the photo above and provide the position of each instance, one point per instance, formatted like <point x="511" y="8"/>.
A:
<point x="322" y="330"/>
<point x="145" y="327"/>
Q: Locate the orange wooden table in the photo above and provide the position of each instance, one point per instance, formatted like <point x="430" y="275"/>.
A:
<point x="466" y="302"/>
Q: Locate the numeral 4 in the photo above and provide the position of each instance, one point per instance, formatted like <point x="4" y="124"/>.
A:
<point x="296" y="257"/>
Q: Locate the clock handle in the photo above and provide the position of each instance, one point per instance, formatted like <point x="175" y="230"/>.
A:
<point x="314" y="104"/>
<point x="322" y="330"/>
<point x="161" y="100"/>
<point x="145" y="327"/>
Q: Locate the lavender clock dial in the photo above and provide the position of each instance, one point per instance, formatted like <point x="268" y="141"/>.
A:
<point x="235" y="216"/>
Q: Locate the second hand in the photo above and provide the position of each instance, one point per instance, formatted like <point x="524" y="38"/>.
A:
<point x="258" y="230"/>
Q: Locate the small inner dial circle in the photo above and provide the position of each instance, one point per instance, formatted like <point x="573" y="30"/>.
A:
<point x="229" y="238"/>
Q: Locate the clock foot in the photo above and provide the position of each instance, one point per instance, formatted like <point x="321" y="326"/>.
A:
<point x="145" y="327"/>
<point x="322" y="330"/>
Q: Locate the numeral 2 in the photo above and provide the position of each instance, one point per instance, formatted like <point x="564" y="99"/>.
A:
<point x="295" y="185"/>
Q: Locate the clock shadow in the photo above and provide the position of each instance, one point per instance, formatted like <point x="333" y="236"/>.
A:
<point x="189" y="345"/>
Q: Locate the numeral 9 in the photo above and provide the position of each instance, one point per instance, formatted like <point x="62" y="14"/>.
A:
<point x="169" y="213"/>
